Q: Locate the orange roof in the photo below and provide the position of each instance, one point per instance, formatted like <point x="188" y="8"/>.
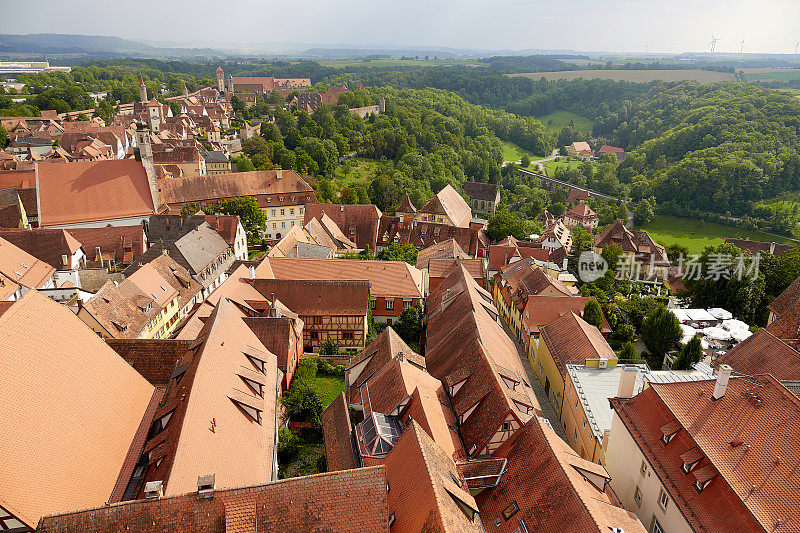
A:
<point x="359" y="223"/>
<point x="317" y="296"/>
<point x="209" y="429"/>
<point x="572" y="340"/>
<point x="350" y="500"/>
<point x="581" y="213"/>
<point x="470" y="352"/>
<point x="388" y="279"/>
<point x="763" y="353"/>
<point x="451" y="204"/>
<point x="22" y="268"/>
<point x="70" y="411"/>
<point x="747" y="438"/>
<point x="449" y="249"/>
<point x="177" y="191"/>
<point x="441" y="267"/>
<point x="567" y="493"/>
<point x="89" y="191"/>
<point x="337" y="431"/>
<point x="21" y="179"/>
<point x="541" y="310"/>
<point x="426" y="490"/>
<point x="385" y="347"/>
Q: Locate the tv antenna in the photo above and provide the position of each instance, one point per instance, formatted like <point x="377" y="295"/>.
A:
<point x="713" y="43"/>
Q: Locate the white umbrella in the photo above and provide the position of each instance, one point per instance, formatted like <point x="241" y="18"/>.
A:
<point x="688" y="331"/>
<point x="735" y="325"/>
<point x="721" y="314"/>
<point x="740" y="334"/>
<point x="717" y="334"/>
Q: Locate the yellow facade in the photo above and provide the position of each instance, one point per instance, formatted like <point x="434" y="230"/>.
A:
<point x="438" y="219"/>
<point x="546" y="370"/>
<point x="578" y="430"/>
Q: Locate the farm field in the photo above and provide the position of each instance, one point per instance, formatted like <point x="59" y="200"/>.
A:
<point x="637" y="76"/>
<point x="563" y="162"/>
<point x="512" y="152"/>
<point x="696" y="234"/>
<point x="771" y="74"/>
<point x="558" y="119"/>
<point x="347" y="63"/>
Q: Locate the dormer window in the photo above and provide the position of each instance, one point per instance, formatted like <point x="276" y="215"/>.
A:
<point x="669" y="430"/>
<point x="691" y="458"/>
<point x="510" y="511"/>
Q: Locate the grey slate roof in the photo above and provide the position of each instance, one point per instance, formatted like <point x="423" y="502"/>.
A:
<point x="215" y="156"/>
<point x="309" y="250"/>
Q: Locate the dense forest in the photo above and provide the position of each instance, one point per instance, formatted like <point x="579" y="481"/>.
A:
<point x="716" y="147"/>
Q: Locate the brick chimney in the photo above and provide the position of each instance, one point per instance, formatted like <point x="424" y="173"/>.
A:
<point x="721" y="385"/>
<point x="627" y="381"/>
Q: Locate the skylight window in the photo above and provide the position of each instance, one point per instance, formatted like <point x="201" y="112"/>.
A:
<point x="381" y="433"/>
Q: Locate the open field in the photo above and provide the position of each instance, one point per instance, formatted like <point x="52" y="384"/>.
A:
<point x="696" y="234"/>
<point x="771" y="74"/>
<point x="382" y="63"/>
<point x="558" y="119"/>
<point x="512" y="152"/>
<point x="563" y="162"/>
<point x="638" y="76"/>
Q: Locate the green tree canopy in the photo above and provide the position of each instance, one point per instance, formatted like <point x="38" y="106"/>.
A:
<point x="691" y="353"/>
<point x="660" y="331"/>
<point x="593" y="314"/>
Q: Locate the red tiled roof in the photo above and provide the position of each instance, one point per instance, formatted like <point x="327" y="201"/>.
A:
<point x="787" y="325"/>
<point x="451" y="204"/>
<point x="425" y="234"/>
<point x="748" y="438"/>
<point x="349" y="500"/>
<point x="337" y="430"/>
<point x="125" y="244"/>
<point x="752" y="247"/>
<point x="571" y="340"/>
<point x="470" y="352"/>
<point x="581" y="213"/>
<point x="154" y="359"/>
<point x="71" y="408"/>
<point x="92" y="190"/>
<point x="763" y="353"/>
<point x="786" y="299"/>
<point x="359" y="223"/>
<point x="260" y="184"/>
<point x="317" y="296"/>
<point x="387" y="279"/>
<point x="544" y="478"/>
<point x="541" y="310"/>
<point x="225" y="225"/>
<point x="405" y="205"/>
<point x="426" y="490"/>
<point x="23" y="268"/>
<point x="481" y="191"/>
<point x="48" y="245"/>
<point x="577" y="194"/>
<point x="445" y="249"/>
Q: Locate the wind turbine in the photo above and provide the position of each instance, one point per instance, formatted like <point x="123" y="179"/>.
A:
<point x="741" y="47"/>
<point x="713" y="43"/>
<point x="796" y="46"/>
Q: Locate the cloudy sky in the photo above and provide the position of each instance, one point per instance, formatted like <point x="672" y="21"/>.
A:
<point x="586" y="25"/>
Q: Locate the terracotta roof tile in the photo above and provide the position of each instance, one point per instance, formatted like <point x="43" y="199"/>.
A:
<point x="359" y="223"/>
<point x="445" y="249"/>
<point x="92" y="190"/>
<point x="23" y="268"/>
<point x="542" y="310"/>
<point x="754" y="412"/>
<point x="786" y="299"/>
<point x="481" y="191"/>
<point x="451" y="204"/>
<point x="558" y="497"/>
<point x="571" y="340"/>
<point x="387" y="278"/>
<point x="763" y="353"/>
<point x="122" y="244"/>
<point x="405" y="205"/>
<point x="337" y="431"/>
<point x="426" y="234"/>
<point x="753" y="247"/>
<point x="47" y="245"/>
<point x="351" y="500"/>
<point x="317" y="296"/>
<point x="66" y="427"/>
<point x="154" y="359"/>
<point x="440" y="268"/>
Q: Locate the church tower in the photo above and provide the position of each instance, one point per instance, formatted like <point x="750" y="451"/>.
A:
<point x="185" y="90"/>
<point x="230" y="84"/>
<point x="220" y="80"/>
<point x="146" y="157"/>
<point x="142" y="90"/>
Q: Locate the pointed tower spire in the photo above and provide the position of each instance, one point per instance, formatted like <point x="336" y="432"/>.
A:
<point x="142" y="89"/>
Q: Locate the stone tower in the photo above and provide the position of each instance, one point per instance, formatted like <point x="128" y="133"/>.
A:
<point x="220" y="80"/>
<point x="185" y="90"/>
<point x="142" y="90"/>
<point x="382" y="106"/>
<point x="146" y="157"/>
<point x="230" y="83"/>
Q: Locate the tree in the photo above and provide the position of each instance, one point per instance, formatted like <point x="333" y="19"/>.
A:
<point x="243" y="164"/>
<point x="303" y="402"/>
<point x="237" y="104"/>
<point x="82" y="117"/>
<point x="675" y="251"/>
<point x="525" y="161"/>
<point x="622" y="212"/>
<point x="593" y="314"/>
<point x="502" y="224"/>
<point x="628" y="351"/>
<point x="611" y="253"/>
<point x="326" y="192"/>
<point x="3" y="137"/>
<point x="643" y="214"/>
<point x="689" y="354"/>
<point x="251" y="215"/>
<point x="288" y="445"/>
<point x="557" y="209"/>
<point x="409" y="325"/>
<point x="175" y="107"/>
<point x="329" y="347"/>
<point x="660" y="331"/>
<point x="399" y="252"/>
<point x="582" y="240"/>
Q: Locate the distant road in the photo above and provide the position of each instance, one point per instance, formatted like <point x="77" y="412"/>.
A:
<point x="638" y="76"/>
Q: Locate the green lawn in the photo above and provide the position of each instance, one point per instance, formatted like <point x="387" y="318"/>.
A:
<point x="358" y="170"/>
<point x="696" y="234"/>
<point x="558" y="119"/>
<point x="563" y="162"/>
<point x="328" y="387"/>
<point x="512" y="152"/>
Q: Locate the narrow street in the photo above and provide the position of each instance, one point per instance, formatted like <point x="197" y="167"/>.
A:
<point x="536" y="385"/>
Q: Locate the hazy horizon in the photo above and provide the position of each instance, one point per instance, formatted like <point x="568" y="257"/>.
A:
<point x="630" y="26"/>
